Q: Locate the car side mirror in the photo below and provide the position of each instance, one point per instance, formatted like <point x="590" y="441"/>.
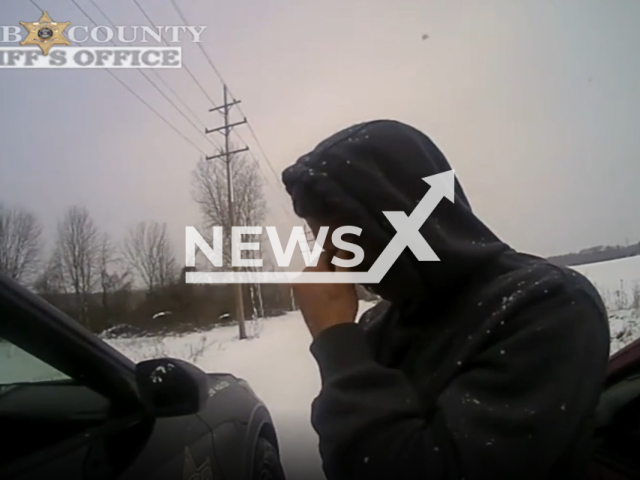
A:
<point x="170" y="387"/>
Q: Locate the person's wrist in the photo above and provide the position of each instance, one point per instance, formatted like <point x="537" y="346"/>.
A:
<point x="340" y="347"/>
<point x="317" y="328"/>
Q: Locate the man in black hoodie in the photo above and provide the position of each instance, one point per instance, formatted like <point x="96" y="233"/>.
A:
<point x="487" y="364"/>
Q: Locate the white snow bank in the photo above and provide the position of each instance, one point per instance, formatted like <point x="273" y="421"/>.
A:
<point x="618" y="282"/>
<point x="625" y="328"/>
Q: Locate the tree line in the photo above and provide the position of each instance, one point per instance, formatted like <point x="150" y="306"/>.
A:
<point x="137" y="282"/>
<point x="597" y="254"/>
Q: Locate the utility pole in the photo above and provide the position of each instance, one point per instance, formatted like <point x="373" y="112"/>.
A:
<point x="226" y="155"/>
<point x="311" y="238"/>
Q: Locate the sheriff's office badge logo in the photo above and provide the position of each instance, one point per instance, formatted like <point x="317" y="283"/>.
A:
<point x="45" y="33"/>
<point x="192" y="472"/>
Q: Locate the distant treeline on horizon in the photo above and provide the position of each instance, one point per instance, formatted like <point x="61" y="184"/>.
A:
<point x="596" y="254"/>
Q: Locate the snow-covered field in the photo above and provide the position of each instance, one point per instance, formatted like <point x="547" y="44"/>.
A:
<point x="278" y="365"/>
<point x="618" y="282"/>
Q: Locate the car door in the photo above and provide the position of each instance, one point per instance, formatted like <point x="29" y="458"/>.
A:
<point x="618" y="419"/>
<point x="69" y="406"/>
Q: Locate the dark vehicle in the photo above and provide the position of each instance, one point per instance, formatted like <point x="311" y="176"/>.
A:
<point x="617" y="455"/>
<point x="72" y="407"/>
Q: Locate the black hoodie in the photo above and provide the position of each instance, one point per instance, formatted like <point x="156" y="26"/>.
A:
<point x="491" y="365"/>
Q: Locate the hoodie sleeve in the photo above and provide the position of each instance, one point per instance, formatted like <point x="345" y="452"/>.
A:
<point x="511" y="413"/>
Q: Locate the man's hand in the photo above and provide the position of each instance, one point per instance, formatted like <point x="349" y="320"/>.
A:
<point x="324" y="305"/>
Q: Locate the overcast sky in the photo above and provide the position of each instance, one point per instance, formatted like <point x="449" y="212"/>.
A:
<point x="535" y="103"/>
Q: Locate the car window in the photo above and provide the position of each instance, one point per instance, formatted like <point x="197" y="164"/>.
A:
<point x="19" y="366"/>
<point x="35" y="397"/>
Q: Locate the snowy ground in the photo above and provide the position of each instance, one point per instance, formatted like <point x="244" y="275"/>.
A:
<point x="279" y="367"/>
<point x="618" y="282"/>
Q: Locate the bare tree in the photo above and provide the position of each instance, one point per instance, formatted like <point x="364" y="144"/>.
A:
<point x="114" y="276"/>
<point x="20" y="235"/>
<point x="105" y="259"/>
<point x="210" y="191"/>
<point x="148" y="250"/>
<point x="78" y="247"/>
<point x="52" y="280"/>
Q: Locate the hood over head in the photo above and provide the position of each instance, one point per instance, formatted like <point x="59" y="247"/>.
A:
<point x="379" y="166"/>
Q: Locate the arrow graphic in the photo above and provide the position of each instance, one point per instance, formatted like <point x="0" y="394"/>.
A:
<point x="408" y="228"/>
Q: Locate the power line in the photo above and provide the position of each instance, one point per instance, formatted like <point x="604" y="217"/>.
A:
<point x="169" y="124"/>
<point x="146" y="77"/>
<point x="186" y="68"/>
<point x="144" y="74"/>
<point x="184" y="20"/>
<point x="37" y="6"/>
<point x="217" y="72"/>
<point x="156" y="112"/>
<point x="83" y="12"/>
<point x="184" y="104"/>
<point x="259" y="144"/>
